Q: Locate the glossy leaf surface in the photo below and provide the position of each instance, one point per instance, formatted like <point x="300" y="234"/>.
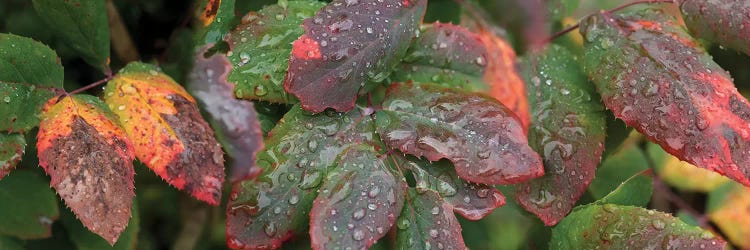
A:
<point x="167" y="130"/>
<point x="728" y="210"/>
<point x="12" y="147"/>
<point x="82" y="24"/>
<point x="618" y="227"/>
<point x="89" y="159"/>
<point x="657" y="79"/>
<point x="427" y="222"/>
<point x="725" y="22"/>
<point x="482" y="138"/>
<point x="29" y="206"/>
<point x="347" y="44"/>
<point x="260" y="50"/>
<point x="23" y="89"/>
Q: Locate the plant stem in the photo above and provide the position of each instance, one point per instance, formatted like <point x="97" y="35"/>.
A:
<point x="90" y="86"/>
<point x="680" y="203"/>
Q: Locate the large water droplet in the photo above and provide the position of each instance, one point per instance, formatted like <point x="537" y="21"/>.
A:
<point x="359" y="214"/>
<point x="358" y="234"/>
<point x="270" y="229"/>
<point x="658" y="224"/>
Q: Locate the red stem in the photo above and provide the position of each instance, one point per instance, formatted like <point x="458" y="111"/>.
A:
<point x="90" y="86"/>
<point x="680" y="203"/>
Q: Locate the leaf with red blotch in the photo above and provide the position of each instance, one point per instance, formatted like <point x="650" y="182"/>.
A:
<point x="235" y="120"/>
<point x="657" y="79"/>
<point x="347" y="44"/>
<point x="483" y="138"/>
<point x="427" y="222"/>
<point x="567" y="129"/>
<point x="169" y="134"/>
<point x="341" y="217"/>
<point x="12" y="147"/>
<point x="89" y="159"/>
<point x="725" y="22"/>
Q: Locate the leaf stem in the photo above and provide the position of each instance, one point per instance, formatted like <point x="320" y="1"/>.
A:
<point x="680" y="203"/>
<point x="90" y="86"/>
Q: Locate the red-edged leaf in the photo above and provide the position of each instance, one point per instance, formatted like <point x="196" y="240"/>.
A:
<point x="358" y="202"/>
<point x="483" y="139"/>
<point x="169" y="134"/>
<point x="726" y="22"/>
<point x="236" y="120"/>
<point x="567" y="129"/>
<point x="347" y="44"/>
<point x="90" y="162"/>
<point x="656" y="78"/>
<point x="12" y="147"/>
<point x="427" y="222"/>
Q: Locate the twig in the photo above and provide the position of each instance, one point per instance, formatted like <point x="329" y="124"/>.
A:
<point x="701" y="218"/>
<point x="91" y="85"/>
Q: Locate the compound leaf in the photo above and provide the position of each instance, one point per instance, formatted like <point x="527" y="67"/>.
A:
<point x="12" y="147"/>
<point x="345" y="45"/>
<point x="724" y="22"/>
<point x="168" y="132"/>
<point x="427" y="222"/>
<point x="90" y="162"/>
<point x="29" y="206"/>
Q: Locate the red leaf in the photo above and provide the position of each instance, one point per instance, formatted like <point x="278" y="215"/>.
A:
<point x="726" y="22"/>
<point x="347" y="44"/>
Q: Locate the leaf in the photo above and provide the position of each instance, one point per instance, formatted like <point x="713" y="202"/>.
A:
<point x="29" y="206"/>
<point x="656" y="78"/>
<point x="472" y="201"/>
<point x="683" y="175"/>
<point x="260" y="49"/>
<point x="347" y="44"/>
<point x="619" y="227"/>
<point x="299" y="153"/>
<point x="82" y="25"/>
<point x="724" y="22"/>
<point x="9" y="243"/>
<point x="168" y="133"/>
<point x="427" y="222"/>
<point x="728" y="210"/>
<point x="23" y="89"/>
<point x="12" y="147"/>
<point x="568" y="130"/>
<point x="482" y="138"/>
<point x="358" y="202"/>
<point x="90" y="162"/>
<point x="85" y="240"/>
<point x="214" y="21"/>
<point x="562" y="8"/>
<point x="635" y="191"/>
<point x="235" y="120"/>
<point x="628" y="161"/>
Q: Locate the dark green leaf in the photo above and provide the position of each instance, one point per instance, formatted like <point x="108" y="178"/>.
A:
<point x="12" y="147"/>
<point x="29" y="206"/>
<point x="82" y="24"/>
<point x="427" y="222"/>
<point x="86" y="240"/>
<point x="214" y="21"/>
<point x="635" y="191"/>
<point x="725" y="22"/>
<point x="10" y="243"/>
<point x="617" y="132"/>
<point x="616" y="169"/>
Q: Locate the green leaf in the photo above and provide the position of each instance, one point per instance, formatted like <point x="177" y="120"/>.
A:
<point x="567" y="130"/>
<point x="624" y="227"/>
<point x="260" y="49"/>
<point x="85" y="240"/>
<point x="12" y="147"/>
<point x="9" y="243"/>
<point x="82" y="24"/>
<point x="214" y="20"/>
<point x="427" y="222"/>
<point x="635" y="191"/>
<point x="359" y="195"/>
<point x="29" y="206"/>
<point x="616" y="169"/>
<point x="299" y="153"/>
<point x="561" y="8"/>
<point x="30" y="74"/>
<point x="482" y="138"/>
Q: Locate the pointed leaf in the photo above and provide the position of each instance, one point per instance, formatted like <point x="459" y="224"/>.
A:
<point x="728" y="209"/>
<point x="260" y="50"/>
<point x="167" y="130"/>
<point x="656" y="78"/>
<point x="85" y="240"/>
<point x="23" y="88"/>
<point x="358" y="202"/>
<point x="635" y="191"/>
<point x="627" y="162"/>
<point x="482" y="138"/>
<point x="235" y="120"/>
<point x="347" y="44"/>
<point x="725" y="22"/>
<point x="299" y="152"/>
<point x="81" y="24"/>
<point x="568" y="130"/>
<point x="427" y="222"/>
<point x="12" y="147"/>
<point x="214" y="21"/>
<point x="28" y="206"/>
<point x="683" y="175"/>
<point x="90" y="162"/>
<point x="622" y="227"/>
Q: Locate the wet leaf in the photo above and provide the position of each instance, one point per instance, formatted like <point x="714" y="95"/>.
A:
<point x="235" y="121"/>
<point x="29" y="206"/>
<point x="472" y="201"/>
<point x="616" y="168"/>
<point x="635" y="191"/>
<point x="482" y="138"/>
<point x="12" y="147"/>
<point x="683" y="175"/>
<point x="214" y="20"/>
<point x="81" y="24"/>
<point x="85" y="240"/>
<point x="728" y="210"/>
<point x="345" y="45"/>
<point x="90" y="162"/>
<point x="427" y="222"/>
<point x="23" y="89"/>
<point x="567" y="130"/>
<point x="656" y="78"/>
<point x="724" y="22"/>
<point x="260" y="50"/>
<point x="358" y="202"/>
<point x="168" y="133"/>
<point x="619" y="227"/>
<point x="299" y="153"/>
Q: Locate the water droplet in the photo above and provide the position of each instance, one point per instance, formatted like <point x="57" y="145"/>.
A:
<point x="403" y="223"/>
<point x="121" y="107"/>
<point x="446" y="189"/>
<point x="312" y="145"/>
<point x="658" y="224"/>
<point x="483" y="154"/>
<point x="311" y="180"/>
<point x="6" y="99"/>
<point x="372" y="206"/>
<point x="277" y="210"/>
<point x="435" y="210"/>
<point x="701" y="123"/>
<point x="358" y="234"/>
<point x="482" y="193"/>
<point x="351" y="2"/>
<point x="260" y="90"/>
<point x="434" y="233"/>
<point x="359" y="214"/>
<point x="374" y="191"/>
<point x="294" y="199"/>
<point x="467" y="199"/>
<point x="481" y="61"/>
<point x="269" y="229"/>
